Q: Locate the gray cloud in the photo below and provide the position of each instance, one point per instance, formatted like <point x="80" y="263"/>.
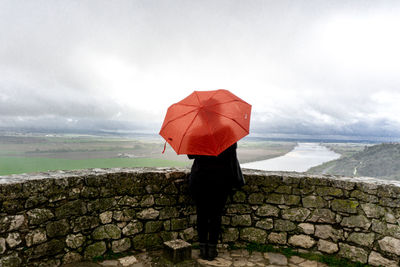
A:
<point x="308" y="67"/>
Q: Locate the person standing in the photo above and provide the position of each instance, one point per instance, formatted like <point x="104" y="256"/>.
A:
<point x="211" y="180"/>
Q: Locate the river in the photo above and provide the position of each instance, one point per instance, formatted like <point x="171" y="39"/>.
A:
<point x="300" y="159"/>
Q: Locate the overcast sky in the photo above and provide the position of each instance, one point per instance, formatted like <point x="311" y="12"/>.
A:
<point x="307" y="67"/>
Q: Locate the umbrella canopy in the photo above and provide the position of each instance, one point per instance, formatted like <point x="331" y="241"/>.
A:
<point x="206" y="122"/>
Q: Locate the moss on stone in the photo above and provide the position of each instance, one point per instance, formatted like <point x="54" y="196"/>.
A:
<point x="95" y="250"/>
<point x="345" y="205"/>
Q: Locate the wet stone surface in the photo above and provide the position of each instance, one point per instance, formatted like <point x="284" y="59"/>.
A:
<point x="226" y="258"/>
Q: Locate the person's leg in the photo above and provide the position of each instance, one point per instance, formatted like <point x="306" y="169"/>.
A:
<point x="202" y="229"/>
<point x="215" y="224"/>
<point x="202" y="223"/>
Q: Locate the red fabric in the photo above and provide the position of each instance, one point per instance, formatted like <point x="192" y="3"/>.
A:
<point x="206" y="122"/>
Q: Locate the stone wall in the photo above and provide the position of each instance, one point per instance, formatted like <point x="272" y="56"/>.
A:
<point x="59" y="217"/>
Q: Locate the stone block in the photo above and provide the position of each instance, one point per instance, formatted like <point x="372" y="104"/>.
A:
<point x="178" y="224"/>
<point x="359" y="221"/>
<point x="267" y="211"/>
<point x="353" y="253"/>
<point x="362" y="239"/>
<point x="167" y="225"/>
<point x="4" y="223"/>
<point x="35" y="237"/>
<point x="52" y="247"/>
<point x="38" y="216"/>
<point x="169" y="212"/>
<point x="128" y="261"/>
<point x="85" y="223"/>
<point x="276" y="259"/>
<point x="106" y="217"/>
<point x="251" y="234"/>
<point x="165" y="201"/>
<point x="16" y="222"/>
<point x="108" y="231"/>
<point x="2" y="245"/>
<point x="291" y="200"/>
<point x="393" y="230"/>
<point x="329" y="191"/>
<point x="389" y="217"/>
<point x="225" y="220"/>
<point x="256" y="198"/>
<point x="177" y="250"/>
<point x="284" y="226"/>
<point x="125" y="215"/>
<point x="390" y="202"/>
<point x="101" y="204"/>
<point x="128" y="201"/>
<point x="347" y="185"/>
<point x="296" y="214"/>
<point x="275" y="198"/>
<point x="147" y="201"/>
<point x="167" y="236"/>
<point x="147" y="241"/>
<point x="327" y="247"/>
<point x="379" y="227"/>
<point x="12" y="260"/>
<point x="373" y="210"/>
<point x="278" y="238"/>
<point x="132" y="228"/>
<point x="12" y="206"/>
<point x="314" y="202"/>
<point x="327" y="231"/>
<point x="230" y="235"/>
<point x="13" y="239"/>
<point x="241" y="220"/>
<point x="57" y="228"/>
<point x="75" y="241"/>
<point x="71" y="257"/>
<point x="303" y="241"/>
<point x="364" y="196"/>
<point x="239" y="197"/>
<point x="238" y="209"/>
<point x="284" y="189"/>
<point x="72" y="208"/>
<point x="376" y="259"/>
<point x="188" y="234"/>
<point x="153" y="226"/>
<point x="390" y="244"/>
<point x="35" y="201"/>
<point x="121" y="245"/>
<point x="345" y="205"/>
<point x="307" y="228"/>
<point x="95" y="250"/>
<point x="148" y="214"/>
<point x="322" y="216"/>
<point x="266" y="224"/>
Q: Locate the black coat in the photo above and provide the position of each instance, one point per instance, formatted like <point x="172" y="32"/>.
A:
<point x="220" y="172"/>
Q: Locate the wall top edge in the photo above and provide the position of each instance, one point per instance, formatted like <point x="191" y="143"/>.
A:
<point x="59" y="174"/>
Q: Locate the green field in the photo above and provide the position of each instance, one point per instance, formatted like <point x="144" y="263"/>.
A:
<point x="12" y="165"/>
<point x="38" y="153"/>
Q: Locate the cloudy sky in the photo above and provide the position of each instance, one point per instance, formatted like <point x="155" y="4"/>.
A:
<point x="307" y="67"/>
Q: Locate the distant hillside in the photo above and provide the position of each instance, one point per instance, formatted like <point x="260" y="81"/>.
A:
<point x="382" y="161"/>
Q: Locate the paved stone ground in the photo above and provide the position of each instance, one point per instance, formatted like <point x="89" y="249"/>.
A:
<point x="226" y="258"/>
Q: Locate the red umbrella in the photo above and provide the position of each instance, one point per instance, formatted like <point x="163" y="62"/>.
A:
<point x="206" y="122"/>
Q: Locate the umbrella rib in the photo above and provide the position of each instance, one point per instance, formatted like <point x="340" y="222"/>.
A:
<point x="233" y="120"/>
<point x="198" y="98"/>
<point x="230" y="101"/>
<point x="177" y="118"/>
<point x="186" y="105"/>
<point x="213" y="94"/>
<point x="187" y="129"/>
